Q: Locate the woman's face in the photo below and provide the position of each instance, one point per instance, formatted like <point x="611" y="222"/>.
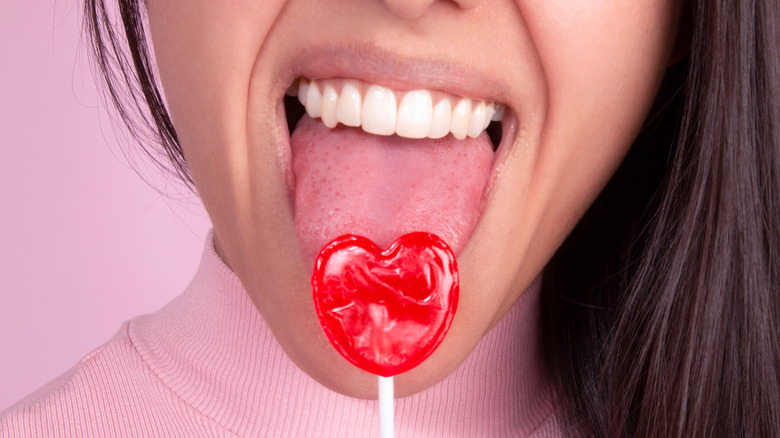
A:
<point x="577" y="79"/>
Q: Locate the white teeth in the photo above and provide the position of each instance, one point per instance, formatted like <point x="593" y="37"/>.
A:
<point x="461" y="119"/>
<point x="350" y="103"/>
<point x="303" y="89"/>
<point x="377" y="112"/>
<point x="330" y="102"/>
<point x="415" y="114"/>
<point x="313" y="101"/>
<point x="477" y="123"/>
<point x="490" y="109"/>
<point x="499" y="114"/>
<point x="442" y="119"/>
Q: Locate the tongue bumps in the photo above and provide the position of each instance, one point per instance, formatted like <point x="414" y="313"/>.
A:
<point x="350" y="182"/>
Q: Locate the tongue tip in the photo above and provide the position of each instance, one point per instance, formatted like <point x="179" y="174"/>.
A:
<point x="312" y="241"/>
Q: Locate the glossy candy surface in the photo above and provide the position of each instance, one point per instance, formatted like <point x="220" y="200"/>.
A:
<point x="386" y="311"/>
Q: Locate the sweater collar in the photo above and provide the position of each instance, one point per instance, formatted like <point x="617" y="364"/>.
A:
<point x="213" y="350"/>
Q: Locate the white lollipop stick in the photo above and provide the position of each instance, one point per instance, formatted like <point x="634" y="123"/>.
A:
<point x="386" y="407"/>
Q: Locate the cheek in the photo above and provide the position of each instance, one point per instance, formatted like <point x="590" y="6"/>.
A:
<point x="603" y="63"/>
<point x="205" y="51"/>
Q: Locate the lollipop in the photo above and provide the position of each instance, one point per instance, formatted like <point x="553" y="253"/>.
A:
<point x="386" y="311"/>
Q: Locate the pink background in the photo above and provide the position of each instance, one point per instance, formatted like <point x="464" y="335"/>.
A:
<point x="86" y="244"/>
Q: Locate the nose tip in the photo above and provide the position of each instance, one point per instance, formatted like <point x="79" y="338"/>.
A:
<point x="411" y="9"/>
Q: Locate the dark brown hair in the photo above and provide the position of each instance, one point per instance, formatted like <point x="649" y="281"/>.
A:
<point x="662" y="309"/>
<point x="122" y="58"/>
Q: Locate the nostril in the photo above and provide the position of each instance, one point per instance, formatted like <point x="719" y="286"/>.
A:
<point x="294" y="111"/>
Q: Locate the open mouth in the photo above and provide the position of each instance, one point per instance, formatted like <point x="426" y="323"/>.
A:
<point x="381" y="163"/>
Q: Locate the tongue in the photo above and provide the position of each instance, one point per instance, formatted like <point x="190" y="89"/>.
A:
<point x="351" y="182"/>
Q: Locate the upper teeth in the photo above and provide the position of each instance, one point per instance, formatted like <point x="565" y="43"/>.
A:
<point x="376" y="110"/>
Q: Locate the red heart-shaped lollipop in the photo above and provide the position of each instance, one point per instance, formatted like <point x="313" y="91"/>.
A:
<point x="386" y="311"/>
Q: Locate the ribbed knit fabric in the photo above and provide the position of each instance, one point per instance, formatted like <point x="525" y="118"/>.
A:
<point x="207" y="365"/>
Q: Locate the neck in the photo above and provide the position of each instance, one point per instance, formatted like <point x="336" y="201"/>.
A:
<point x="214" y="351"/>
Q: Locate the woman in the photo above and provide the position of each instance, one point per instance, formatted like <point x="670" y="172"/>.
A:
<point x="657" y="316"/>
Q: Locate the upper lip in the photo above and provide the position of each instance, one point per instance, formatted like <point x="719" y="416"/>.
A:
<point x="374" y="65"/>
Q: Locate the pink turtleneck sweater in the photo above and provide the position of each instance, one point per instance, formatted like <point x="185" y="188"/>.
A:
<point x="208" y="365"/>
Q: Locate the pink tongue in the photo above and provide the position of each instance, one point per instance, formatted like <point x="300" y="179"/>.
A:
<point x="351" y="182"/>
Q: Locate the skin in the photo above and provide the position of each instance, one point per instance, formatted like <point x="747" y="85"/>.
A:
<point x="578" y="76"/>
